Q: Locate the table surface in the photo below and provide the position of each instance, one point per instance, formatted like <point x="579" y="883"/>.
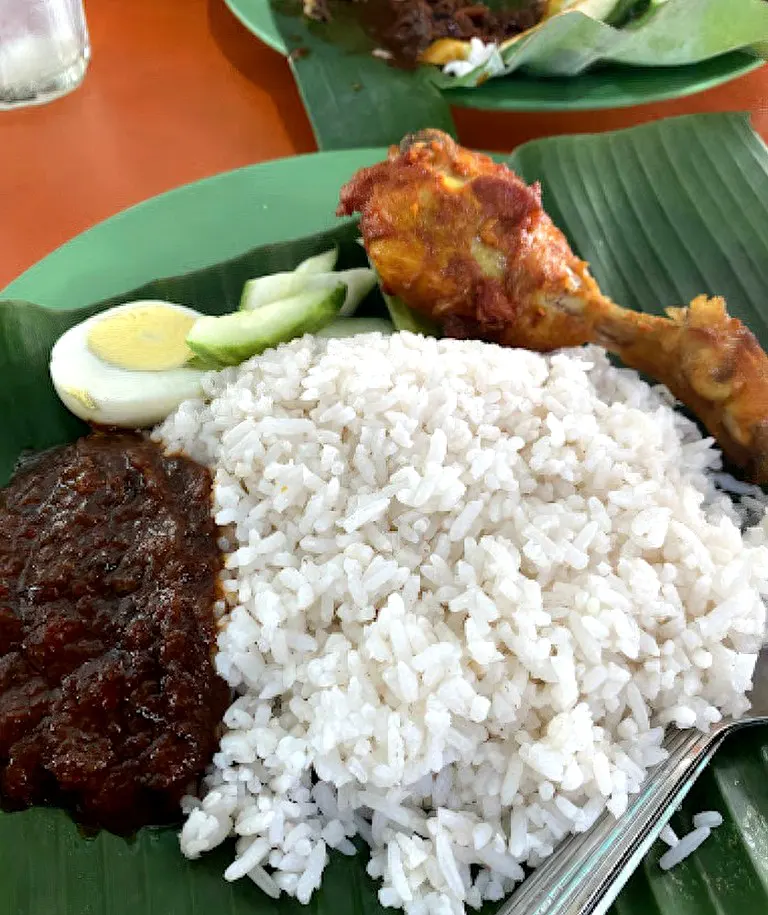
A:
<point x="178" y="90"/>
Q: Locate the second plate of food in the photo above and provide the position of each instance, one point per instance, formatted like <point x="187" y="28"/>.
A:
<point x="281" y="25"/>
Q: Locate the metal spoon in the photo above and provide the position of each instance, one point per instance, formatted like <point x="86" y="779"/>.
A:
<point x="587" y="872"/>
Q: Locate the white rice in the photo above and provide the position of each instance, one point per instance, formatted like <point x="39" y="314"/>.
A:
<point x="703" y="824"/>
<point x="478" y="54"/>
<point x="685" y="847"/>
<point x="669" y="836"/>
<point x="466" y="590"/>
<point x="710" y="818"/>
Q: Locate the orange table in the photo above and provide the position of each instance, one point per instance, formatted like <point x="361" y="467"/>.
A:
<point x="178" y="90"/>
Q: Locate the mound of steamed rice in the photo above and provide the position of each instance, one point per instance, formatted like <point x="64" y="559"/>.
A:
<point x="466" y="590"/>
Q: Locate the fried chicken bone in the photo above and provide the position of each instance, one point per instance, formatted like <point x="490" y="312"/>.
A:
<point x="466" y="242"/>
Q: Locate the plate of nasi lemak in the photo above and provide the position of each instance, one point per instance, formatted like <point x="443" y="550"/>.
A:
<point x="373" y="539"/>
<point x="527" y="55"/>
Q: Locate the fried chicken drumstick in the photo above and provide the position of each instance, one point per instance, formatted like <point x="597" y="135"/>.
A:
<point x="466" y="242"/>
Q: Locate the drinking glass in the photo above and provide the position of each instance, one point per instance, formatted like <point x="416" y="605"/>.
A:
<point x="44" y="50"/>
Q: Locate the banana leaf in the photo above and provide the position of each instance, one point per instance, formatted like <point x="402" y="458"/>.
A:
<point x="670" y="33"/>
<point x="352" y="98"/>
<point x="663" y="212"/>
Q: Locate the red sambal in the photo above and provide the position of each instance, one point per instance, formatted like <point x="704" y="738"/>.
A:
<point x="109" y="702"/>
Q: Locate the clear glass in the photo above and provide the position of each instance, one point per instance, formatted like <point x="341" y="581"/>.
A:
<point x="44" y="50"/>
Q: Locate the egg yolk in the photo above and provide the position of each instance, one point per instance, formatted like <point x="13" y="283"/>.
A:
<point x="143" y="339"/>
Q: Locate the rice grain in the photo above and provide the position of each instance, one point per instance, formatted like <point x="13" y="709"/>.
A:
<point x="466" y="589"/>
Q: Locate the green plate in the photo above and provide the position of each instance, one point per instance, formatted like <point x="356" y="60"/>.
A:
<point x="221" y="217"/>
<point x="611" y="87"/>
<point x="646" y="207"/>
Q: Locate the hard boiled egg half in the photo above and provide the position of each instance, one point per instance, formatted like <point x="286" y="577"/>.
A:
<point x="127" y="366"/>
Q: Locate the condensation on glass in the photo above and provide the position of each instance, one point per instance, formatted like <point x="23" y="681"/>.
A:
<point x="44" y="50"/>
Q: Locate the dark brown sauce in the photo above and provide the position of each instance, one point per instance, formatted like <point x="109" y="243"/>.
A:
<point x="109" y="703"/>
<point x="406" y="28"/>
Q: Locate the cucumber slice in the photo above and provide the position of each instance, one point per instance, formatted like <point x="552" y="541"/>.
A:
<point x="359" y="282"/>
<point x="267" y="289"/>
<point x="320" y="263"/>
<point x="350" y="327"/>
<point x="233" y="338"/>
<point x="405" y="318"/>
<point x="277" y="286"/>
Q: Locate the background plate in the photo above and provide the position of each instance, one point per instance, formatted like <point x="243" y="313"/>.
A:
<point x="612" y="87"/>
<point x="646" y="207"/>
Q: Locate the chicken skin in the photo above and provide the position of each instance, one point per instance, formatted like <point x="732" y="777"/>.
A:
<point x="466" y="242"/>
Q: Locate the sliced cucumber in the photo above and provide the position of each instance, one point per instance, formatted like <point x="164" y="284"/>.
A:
<point x="350" y="327"/>
<point x="267" y="289"/>
<point x="320" y="263"/>
<point x="359" y="282"/>
<point x="405" y="318"/>
<point x="233" y="338"/>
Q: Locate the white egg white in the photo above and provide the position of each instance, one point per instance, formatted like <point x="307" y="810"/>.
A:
<point x="107" y="395"/>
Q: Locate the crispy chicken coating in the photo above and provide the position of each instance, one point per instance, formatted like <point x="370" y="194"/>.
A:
<point x="466" y="242"/>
